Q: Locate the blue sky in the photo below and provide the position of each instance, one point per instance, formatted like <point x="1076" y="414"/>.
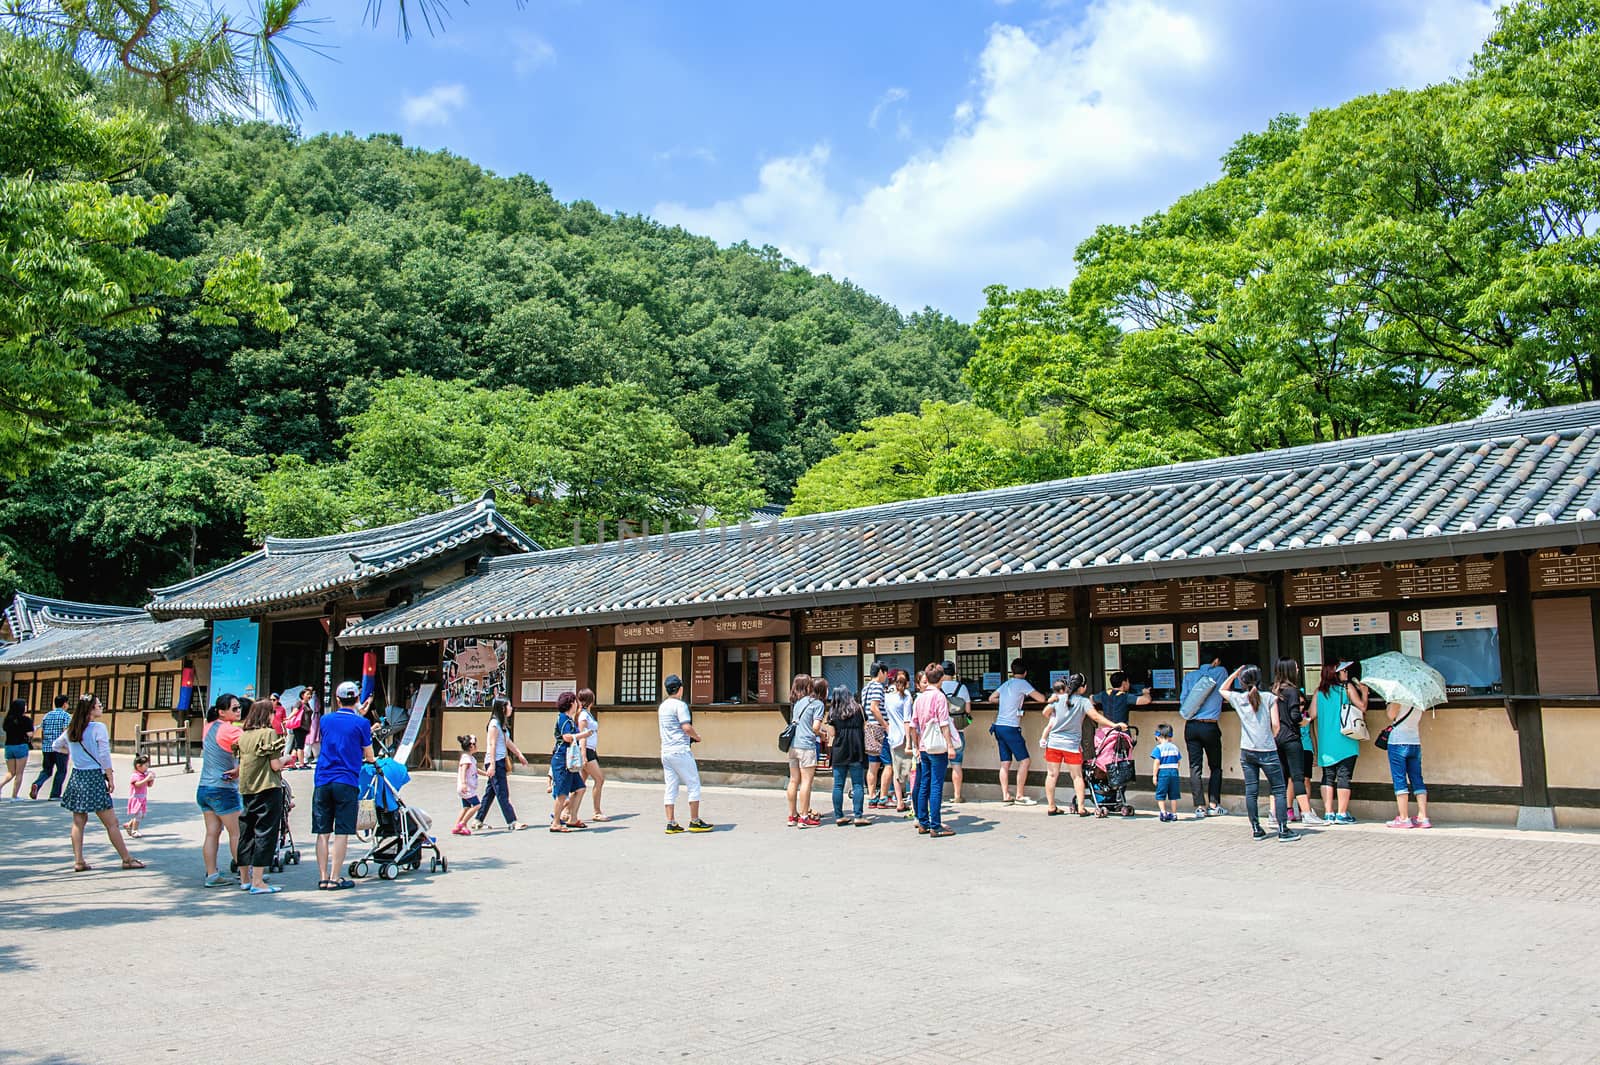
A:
<point x="923" y="150"/>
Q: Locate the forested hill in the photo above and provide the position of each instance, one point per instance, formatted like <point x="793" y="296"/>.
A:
<point x="452" y="329"/>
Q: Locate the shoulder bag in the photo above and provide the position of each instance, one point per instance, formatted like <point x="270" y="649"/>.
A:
<point x="932" y="739"/>
<point x="786" y="737"/>
<point x="1382" y="740"/>
<point x="1197" y="697"/>
<point x="1352" y="722"/>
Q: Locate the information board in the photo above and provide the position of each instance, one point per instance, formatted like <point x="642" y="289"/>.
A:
<point x="1188" y="596"/>
<point x="732" y="627"/>
<point x="1404" y="580"/>
<point x="702" y="675"/>
<point x="547" y="664"/>
<point x="1556" y="568"/>
<point x="867" y="617"/>
<point x="966" y="610"/>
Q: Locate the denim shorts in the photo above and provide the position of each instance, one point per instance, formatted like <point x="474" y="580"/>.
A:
<point x="1167" y="786"/>
<point x="469" y="801"/>
<point x="334" y="808"/>
<point x="960" y="752"/>
<point x="1013" y="748"/>
<point x="15" y="752"/>
<point x="220" y="801"/>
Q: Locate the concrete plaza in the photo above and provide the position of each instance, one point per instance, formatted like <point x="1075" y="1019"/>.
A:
<point x="1022" y="939"/>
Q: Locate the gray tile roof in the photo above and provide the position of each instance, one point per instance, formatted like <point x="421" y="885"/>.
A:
<point x="103" y="641"/>
<point x="287" y="573"/>
<point x="30" y="615"/>
<point x="1522" y="480"/>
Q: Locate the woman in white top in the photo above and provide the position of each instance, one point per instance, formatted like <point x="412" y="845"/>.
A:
<point x="1405" y="765"/>
<point x="589" y="721"/>
<point x="897" y="701"/>
<point x="1258" y="748"/>
<point x="88" y="745"/>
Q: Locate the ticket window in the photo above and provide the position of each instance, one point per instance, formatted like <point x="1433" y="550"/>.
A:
<point x="1463" y="643"/>
<point x="838" y="662"/>
<point x="739" y="680"/>
<point x="895" y="652"/>
<point x="1046" y="654"/>
<point x="980" y="659"/>
<point x="1236" y="642"/>
<point x="1335" y="638"/>
<point x="1147" y="654"/>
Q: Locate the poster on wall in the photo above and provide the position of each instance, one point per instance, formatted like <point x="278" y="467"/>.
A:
<point x="234" y="646"/>
<point x="474" y="670"/>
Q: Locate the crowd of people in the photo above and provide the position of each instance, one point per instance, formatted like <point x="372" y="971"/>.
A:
<point x="890" y="747"/>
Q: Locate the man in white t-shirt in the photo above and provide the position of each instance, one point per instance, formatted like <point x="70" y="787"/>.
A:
<point x="1007" y="731"/>
<point x="677" y="760"/>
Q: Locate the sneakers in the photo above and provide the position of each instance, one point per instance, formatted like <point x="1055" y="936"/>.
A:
<point x="673" y="828"/>
<point x="793" y="822"/>
<point x="1218" y="810"/>
<point x="1421" y="822"/>
<point x="1199" y="813"/>
<point x="1165" y="817"/>
<point x="33" y="792"/>
<point x="810" y="821"/>
<point x="1345" y="819"/>
<point x="1287" y="835"/>
<point x="1400" y="822"/>
<point x="1312" y="819"/>
<point x="700" y="826"/>
<point x="1257" y="832"/>
<point x="1025" y="801"/>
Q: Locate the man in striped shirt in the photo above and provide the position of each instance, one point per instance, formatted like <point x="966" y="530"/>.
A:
<point x="53" y="725"/>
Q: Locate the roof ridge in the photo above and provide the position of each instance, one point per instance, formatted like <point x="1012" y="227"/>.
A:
<point x="399" y="531"/>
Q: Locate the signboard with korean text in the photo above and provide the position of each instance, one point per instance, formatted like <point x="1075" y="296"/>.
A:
<point x="1400" y="580"/>
<point x="548" y="664"/>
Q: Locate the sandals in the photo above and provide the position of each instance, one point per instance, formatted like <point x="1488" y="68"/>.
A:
<point x="1055" y="811"/>
<point x="325" y="885"/>
<point x="600" y="817"/>
<point x="132" y="863"/>
<point x="340" y="884"/>
<point x="560" y="828"/>
<point x="575" y="825"/>
<point x="81" y="867"/>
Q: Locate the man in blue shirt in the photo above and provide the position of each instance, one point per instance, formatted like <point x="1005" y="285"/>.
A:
<point x="53" y="725"/>
<point x="335" y="796"/>
<point x="1203" y="736"/>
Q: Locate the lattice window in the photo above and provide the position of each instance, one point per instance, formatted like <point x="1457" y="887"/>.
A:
<point x="638" y="676"/>
<point x="102" y="691"/>
<point x="165" y="683"/>
<point x="132" y="692"/>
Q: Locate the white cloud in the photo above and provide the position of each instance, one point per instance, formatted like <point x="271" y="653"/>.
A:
<point x="696" y="153"/>
<point x="1438" y="41"/>
<point x="1099" y="116"/>
<point x="888" y="99"/>
<point x="530" y="52"/>
<point x="436" y="107"/>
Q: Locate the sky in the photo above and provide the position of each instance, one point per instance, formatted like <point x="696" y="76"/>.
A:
<point x="923" y="150"/>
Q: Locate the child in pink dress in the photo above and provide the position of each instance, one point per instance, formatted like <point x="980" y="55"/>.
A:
<point x="138" y="795"/>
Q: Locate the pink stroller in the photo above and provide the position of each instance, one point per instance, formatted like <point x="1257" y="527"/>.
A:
<point x="1111" y="771"/>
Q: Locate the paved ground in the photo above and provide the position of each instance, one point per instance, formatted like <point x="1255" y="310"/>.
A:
<point x="1023" y="939"/>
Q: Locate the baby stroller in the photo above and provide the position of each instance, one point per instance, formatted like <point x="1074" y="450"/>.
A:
<point x="401" y="837"/>
<point x="1111" y="771"/>
<point x="286" y="852"/>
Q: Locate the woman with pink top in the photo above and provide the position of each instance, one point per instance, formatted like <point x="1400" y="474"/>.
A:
<point x="936" y="741"/>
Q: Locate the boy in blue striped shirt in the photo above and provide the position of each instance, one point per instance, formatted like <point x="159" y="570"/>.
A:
<point x="1167" y="758"/>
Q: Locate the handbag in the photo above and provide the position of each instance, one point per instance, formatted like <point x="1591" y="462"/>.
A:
<point x="786" y="737"/>
<point x="1353" y="723"/>
<point x="1382" y="740"/>
<point x="366" y="816"/>
<point x="933" y="739"/>
<point x="574" y="757"/>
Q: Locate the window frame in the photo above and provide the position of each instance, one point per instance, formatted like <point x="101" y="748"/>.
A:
<point x="635" y="667"/>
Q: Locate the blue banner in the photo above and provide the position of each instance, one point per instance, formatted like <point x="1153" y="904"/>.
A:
<point x="233" y="658"/>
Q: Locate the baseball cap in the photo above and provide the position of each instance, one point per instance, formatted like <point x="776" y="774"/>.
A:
<point x="673" y="682"/>
<point x="347" y="690"/>
<point x="948" y="667"/>
<point x="1342" y="666"/>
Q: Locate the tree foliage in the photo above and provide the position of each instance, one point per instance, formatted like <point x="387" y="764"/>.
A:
<point x="1400" y="260"/>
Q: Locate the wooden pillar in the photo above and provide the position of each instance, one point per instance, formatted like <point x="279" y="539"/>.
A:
<point x="1277" y="634"/>
<point x="1527" y="714"/>
<point x="1081" y="636"/>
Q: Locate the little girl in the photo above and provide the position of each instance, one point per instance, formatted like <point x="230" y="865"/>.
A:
<point x="467" y="783"/>
<point x="138" y="795"/>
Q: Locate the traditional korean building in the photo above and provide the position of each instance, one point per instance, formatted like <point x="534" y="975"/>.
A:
<point x="133" y="662"/>
<point x="1474" y="545"/>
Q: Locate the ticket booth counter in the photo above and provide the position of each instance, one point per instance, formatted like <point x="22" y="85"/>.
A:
<point x="1158" y="631"/>
<point x="841" y="642"/>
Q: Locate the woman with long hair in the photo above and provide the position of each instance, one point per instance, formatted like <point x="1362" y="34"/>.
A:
<point x="87" y="744"/>
<point x="261" y="763"/>
<point x="897" y="705"/>
<point x="1340" y="694"/>
<point x="1258" y="748"/>
<point x="805" y="712"/>
<point x="1062" y="741"/>
<point x="19" y="741"/>
<point x="498" y="752"/>
<point x="566" y="785"/>
<point x="847" y="742"/>
<point x="589" y="722"/>
<point x="217" y="794"/>
<point x="1291" y="745"/>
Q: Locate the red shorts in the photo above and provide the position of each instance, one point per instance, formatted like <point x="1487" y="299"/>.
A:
<point x="1055" y="757"/>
